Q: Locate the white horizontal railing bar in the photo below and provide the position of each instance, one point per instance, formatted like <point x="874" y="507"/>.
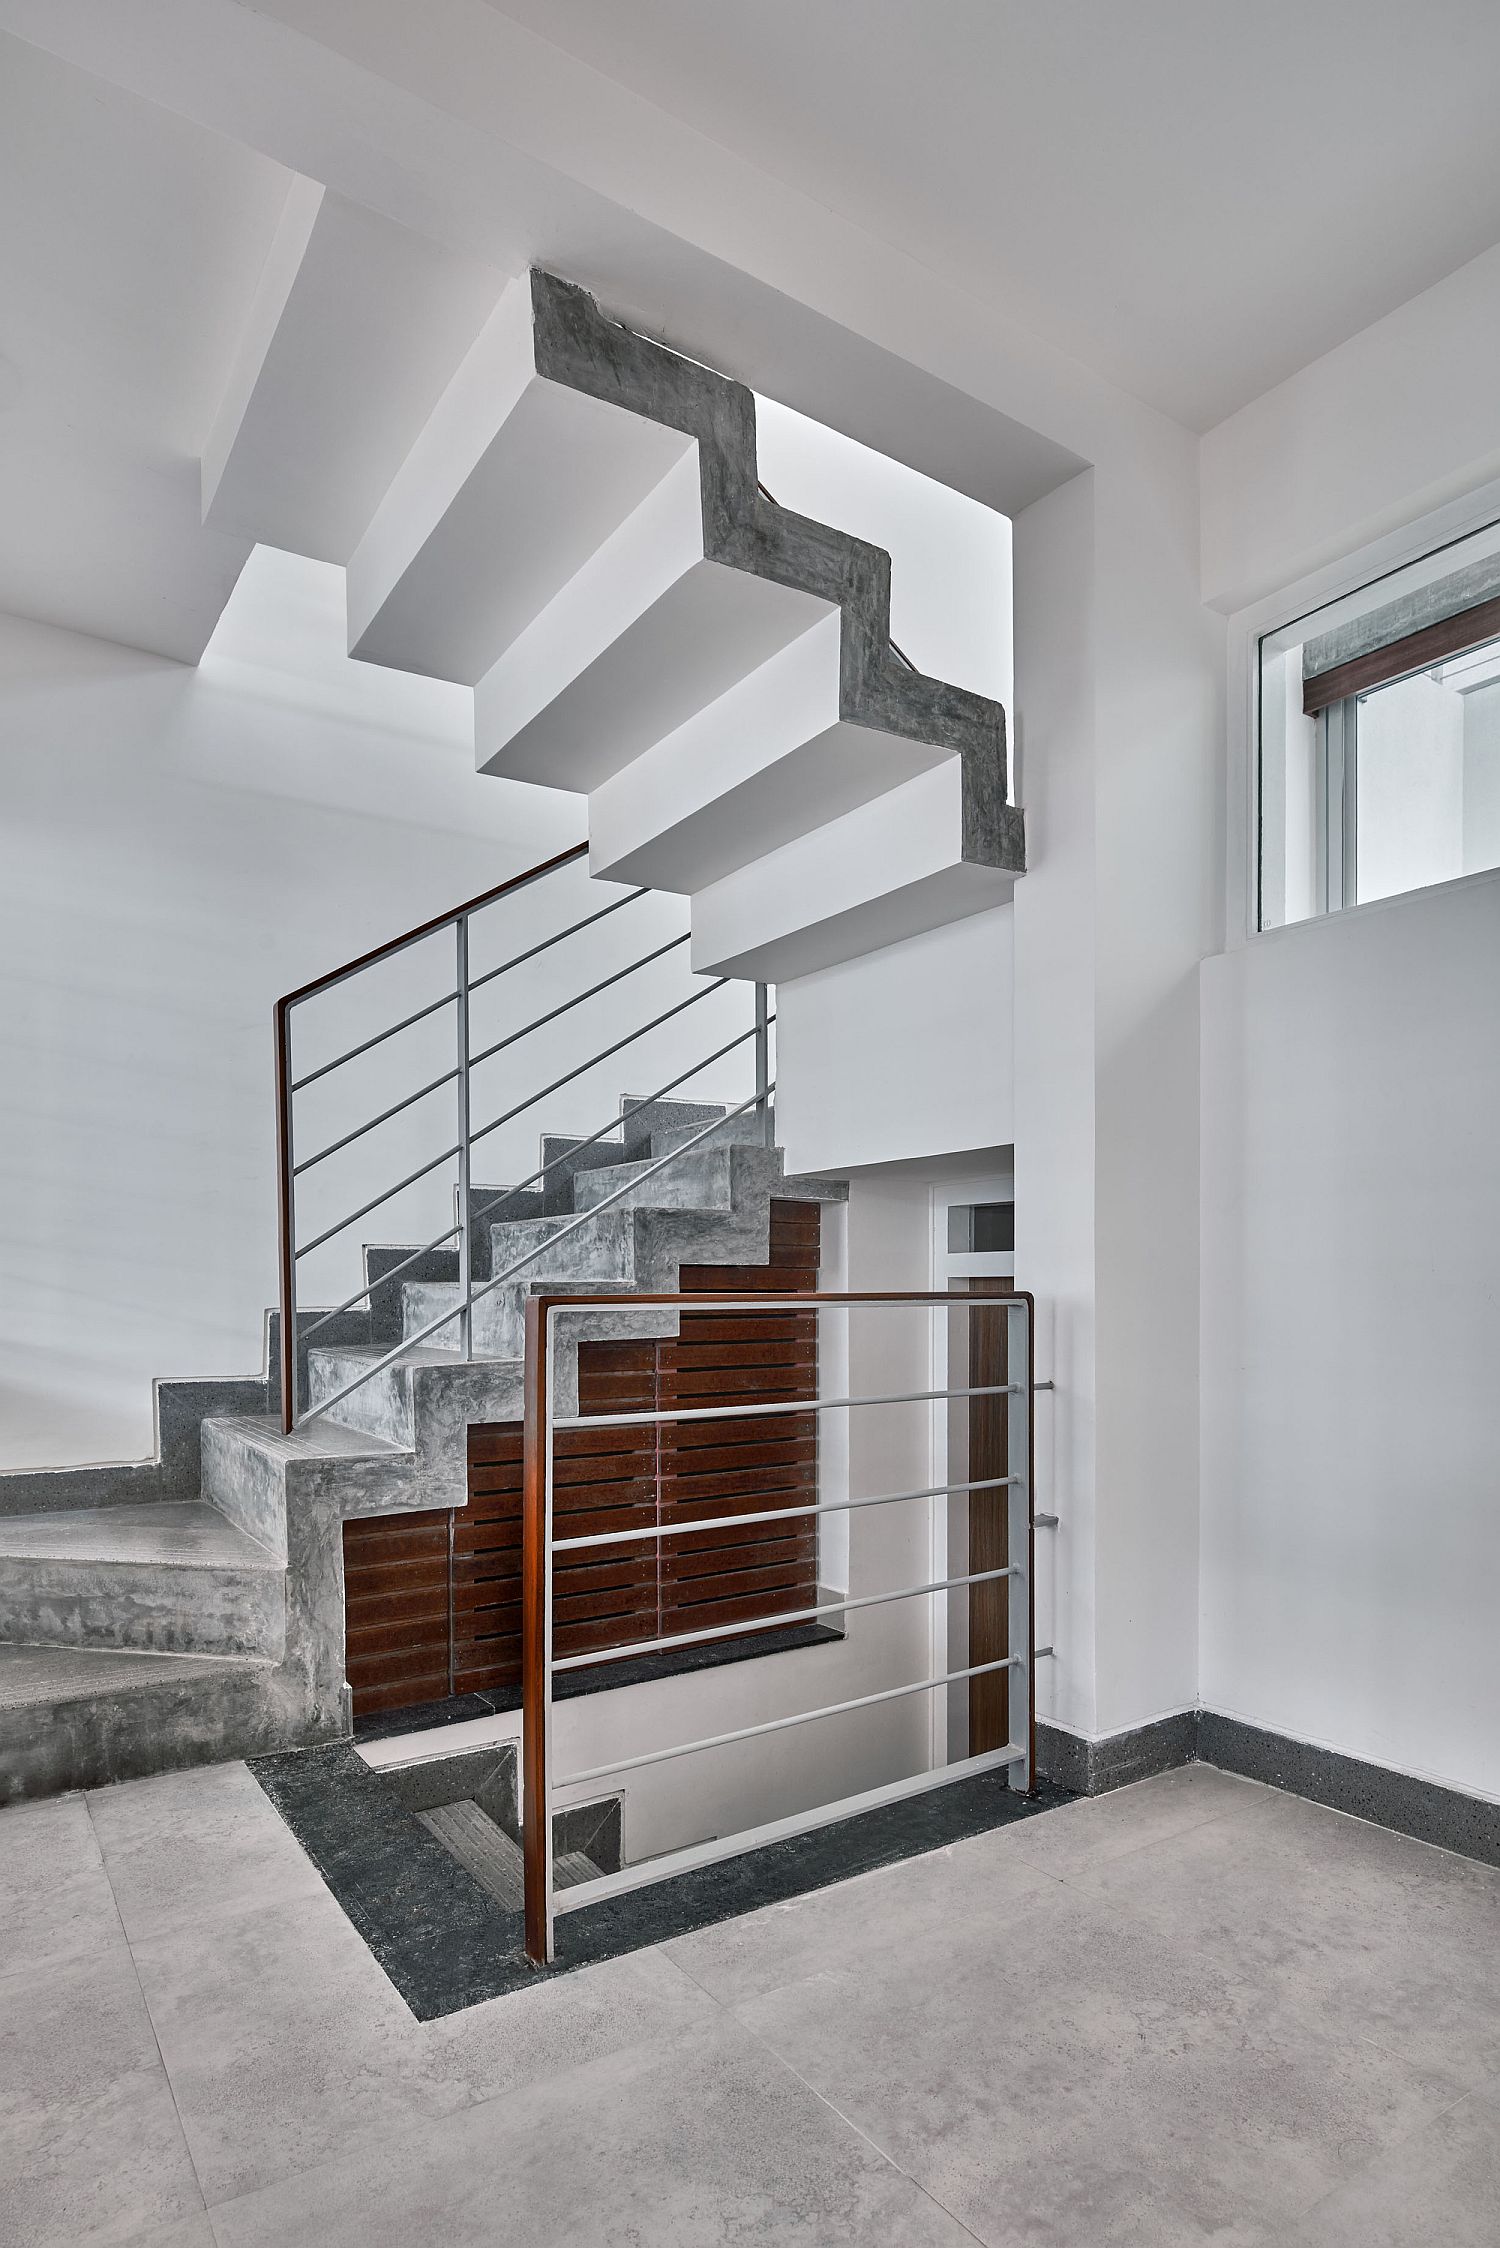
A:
<point x="774" y="1514"/>
<point x="514" y="1037"/>
<point x="778" y="1724"/>
<point x="779" y="1830"/>
<point x="435" y="1085"/>
<point x="379" y="1039"/>
<point x="496" y="1201"/>
<point x="519" y="959"/>
<point x="364" y="1210"/>
<point x="786" y="1405"/>
<point x="1044" y="1385"/>
<point x="634" y="1647"/>
<point x="360" y="1293"/>
<point x="594" y="1060"/>
<point x="446" y="1318"/>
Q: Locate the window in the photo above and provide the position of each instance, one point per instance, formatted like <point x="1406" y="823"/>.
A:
<point x="1380" y="743"/>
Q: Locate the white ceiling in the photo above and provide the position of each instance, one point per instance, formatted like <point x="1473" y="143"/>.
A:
<point x="1195" y="197"/>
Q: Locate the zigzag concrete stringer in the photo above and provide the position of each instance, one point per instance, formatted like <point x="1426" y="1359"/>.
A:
<point x="578" y="346"/>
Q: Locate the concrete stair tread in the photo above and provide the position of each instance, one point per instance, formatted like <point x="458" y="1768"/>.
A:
<point x="413" y="1355"/>
<point x="170" y="1534"/>
<point x="323" y="1439"/>
<point x="33" y="1676"/>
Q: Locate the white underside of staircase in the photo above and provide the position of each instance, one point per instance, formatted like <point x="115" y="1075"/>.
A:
<point x="549" y="546"/>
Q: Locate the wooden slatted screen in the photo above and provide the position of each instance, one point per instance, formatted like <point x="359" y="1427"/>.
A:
<point x="613" y="1479"/>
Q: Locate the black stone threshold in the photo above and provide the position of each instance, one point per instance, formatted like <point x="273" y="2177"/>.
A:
<point x="445" y="1944"/>
<point x="599" y="1678"/>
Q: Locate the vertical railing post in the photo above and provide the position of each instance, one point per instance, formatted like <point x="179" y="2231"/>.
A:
<point x="536" y="1634"/>
<point x="763" y="1064"/>
<point x="286" y="1216"/>
<point x="1020" y="1316"/>
<point x="465" y="1245"/>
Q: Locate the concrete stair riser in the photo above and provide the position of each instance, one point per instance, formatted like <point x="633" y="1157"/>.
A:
<point x="143" y="1609"/>
<point x="145" y="1714"/>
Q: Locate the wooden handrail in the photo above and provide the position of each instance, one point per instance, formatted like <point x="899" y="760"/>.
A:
<point x="429" y="928"/>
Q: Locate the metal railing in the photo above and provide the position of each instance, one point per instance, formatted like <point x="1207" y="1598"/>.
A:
<point x="297" y="1331"/>
<point x="540" y="1663"/>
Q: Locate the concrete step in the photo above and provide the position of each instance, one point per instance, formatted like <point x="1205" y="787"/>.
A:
<point x="251" y="1469"/>
<point x="74" y="1718"/>
<point x="515" y="482"/>
<point x="890" y="870"/>
<point x="745" y="1130"/>
<point x="492" y="1858"/>
<point x="419" y="1406"/>
<point x="654" y="627"/>
<point x="176" y="1579"/>
<point x="639" y="1119"/>
<point x="702" y="1179"/>
<point x="767" y="762"/>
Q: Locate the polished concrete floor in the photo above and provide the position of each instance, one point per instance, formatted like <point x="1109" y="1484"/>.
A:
<point x="1194" y="2010"/>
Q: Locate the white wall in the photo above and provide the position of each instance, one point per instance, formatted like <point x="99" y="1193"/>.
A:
<point x="905" y="1052"/>
<point x="1351" y="1330"/>
<point x="1397" y="420"/>
<point x="178" y="847"/>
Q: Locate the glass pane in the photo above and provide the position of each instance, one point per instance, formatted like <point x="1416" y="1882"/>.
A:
<point x="1427" y="804"/>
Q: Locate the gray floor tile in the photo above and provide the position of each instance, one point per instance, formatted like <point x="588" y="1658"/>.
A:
<point x="697" y="2142"/>
<point x="1080" y="1834"/>
<point x="1359" y="1932"/>
<point x="1085" y="2077"/>
<point x="983" y="1881"/>
<point x="91" y="2150"/>
<point x="193" y="2232"/>
<point x="530" y="2035"/>
<point x="283" y="2041"/>
<point x="55" y="1899"/>
<point x="194" y="1844"/>
<point x="1439" y="2189"/>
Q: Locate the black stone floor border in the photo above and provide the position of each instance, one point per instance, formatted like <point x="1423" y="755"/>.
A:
<point x="602" y="1678"/>
<point x="445" y="1944"/>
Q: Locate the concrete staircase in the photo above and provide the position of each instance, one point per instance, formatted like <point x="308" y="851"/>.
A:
<point x="191" y="1607"/>
<point x="578" y="532"/>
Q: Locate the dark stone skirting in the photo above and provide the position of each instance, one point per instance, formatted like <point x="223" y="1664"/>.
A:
<point x="1423" y="1809"/>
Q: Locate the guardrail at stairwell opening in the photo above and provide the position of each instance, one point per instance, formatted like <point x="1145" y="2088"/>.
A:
<point x="997" y="1506"/>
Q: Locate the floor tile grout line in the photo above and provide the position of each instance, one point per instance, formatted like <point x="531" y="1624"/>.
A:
<point x="1154" y="1842"/>
<point x="848" y="2121"/>
<point x="1391" y="2146"/>
<point x="187" y="2144"/>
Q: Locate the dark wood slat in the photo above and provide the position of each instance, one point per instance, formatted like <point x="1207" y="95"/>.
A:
<point x="1450" y="636"/>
